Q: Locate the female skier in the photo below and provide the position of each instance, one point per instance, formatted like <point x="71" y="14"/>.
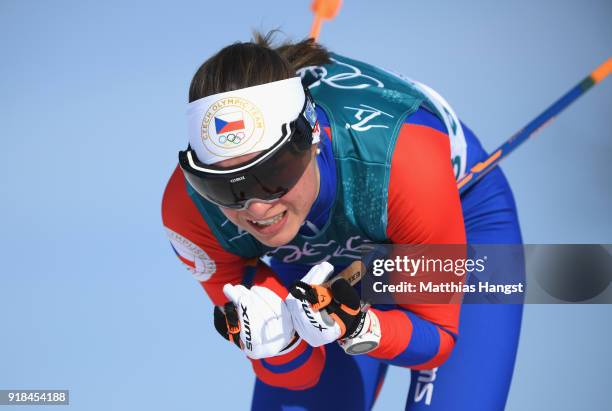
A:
<point x="304" y="157"/>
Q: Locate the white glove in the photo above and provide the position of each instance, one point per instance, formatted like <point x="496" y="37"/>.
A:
<point x="266" y="329"/>
<point x="315" y="327"/>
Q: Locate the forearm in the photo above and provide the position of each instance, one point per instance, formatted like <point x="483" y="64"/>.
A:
<point x="298" y="370"/>
<point x="408" y="340"/>
<point x="299" y="366"/>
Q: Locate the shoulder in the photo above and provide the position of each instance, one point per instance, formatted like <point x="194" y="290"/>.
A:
<point x="423" y="200"/>
<point x="422" y="140"/>
<point x="178" y="210"/>
<point x="425" y="118"/>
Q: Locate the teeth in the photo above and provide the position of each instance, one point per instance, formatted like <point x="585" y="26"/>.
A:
<point x="270" y="221"/>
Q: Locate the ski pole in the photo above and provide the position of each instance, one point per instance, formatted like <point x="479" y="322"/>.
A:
<point x="323" y="10"/>
<point x="483" y="167"/>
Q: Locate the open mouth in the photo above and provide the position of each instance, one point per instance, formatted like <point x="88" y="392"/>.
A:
<point x="269" y="225"/>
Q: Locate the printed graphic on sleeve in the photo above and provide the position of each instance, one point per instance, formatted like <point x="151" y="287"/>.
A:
<point x="197" y="260"/>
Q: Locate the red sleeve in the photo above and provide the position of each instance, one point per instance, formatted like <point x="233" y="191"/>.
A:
<point x="197" y="248"/>
<point x="194" y="243"/>
<point x="423" y="208"/>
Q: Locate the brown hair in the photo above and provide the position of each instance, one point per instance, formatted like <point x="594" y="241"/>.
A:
<point x="257" y="62"/>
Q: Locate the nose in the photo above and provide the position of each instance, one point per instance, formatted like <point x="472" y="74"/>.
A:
<point x="258" y="209"/>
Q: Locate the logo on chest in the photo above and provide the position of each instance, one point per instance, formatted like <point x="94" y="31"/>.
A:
<point x="318" y="252"/>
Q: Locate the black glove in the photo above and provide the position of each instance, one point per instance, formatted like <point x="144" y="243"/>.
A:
<point x="341" y="301"/>
<point x="227" y="323"/>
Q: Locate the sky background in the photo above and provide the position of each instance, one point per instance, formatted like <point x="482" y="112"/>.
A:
<point x="92" y="114"/>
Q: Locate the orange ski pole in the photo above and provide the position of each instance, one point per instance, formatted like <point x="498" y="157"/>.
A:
<point x="323" y="10"/>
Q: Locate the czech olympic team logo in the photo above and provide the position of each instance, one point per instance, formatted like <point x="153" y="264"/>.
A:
<point x="232" y="126"/>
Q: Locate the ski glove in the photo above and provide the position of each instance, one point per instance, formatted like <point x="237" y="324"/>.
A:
<point x="257" y="321"/>
<point x="322" y="315"/>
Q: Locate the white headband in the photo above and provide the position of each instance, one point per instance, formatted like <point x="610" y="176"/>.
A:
<point x="244" y="121"/>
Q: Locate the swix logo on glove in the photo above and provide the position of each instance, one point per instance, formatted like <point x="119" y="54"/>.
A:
<point x="247" y="328"/>
<point x="312" y="320"/>
<point x="264" y="323"/>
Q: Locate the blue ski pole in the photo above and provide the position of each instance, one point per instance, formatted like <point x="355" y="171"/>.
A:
<point x="483" y="167"/>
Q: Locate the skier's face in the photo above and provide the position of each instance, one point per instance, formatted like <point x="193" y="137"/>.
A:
<point x="276" y="224"/>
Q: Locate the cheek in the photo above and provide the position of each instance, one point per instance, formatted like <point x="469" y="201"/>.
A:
<point x="302" y="196"/>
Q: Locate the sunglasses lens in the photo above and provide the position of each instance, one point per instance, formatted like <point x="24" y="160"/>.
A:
<point x="267" y="180"/>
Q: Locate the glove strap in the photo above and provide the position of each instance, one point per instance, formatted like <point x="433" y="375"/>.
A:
<point x="295" y="341"/>
<point x="366" y="336"/>
<point x="227" y="323"/>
